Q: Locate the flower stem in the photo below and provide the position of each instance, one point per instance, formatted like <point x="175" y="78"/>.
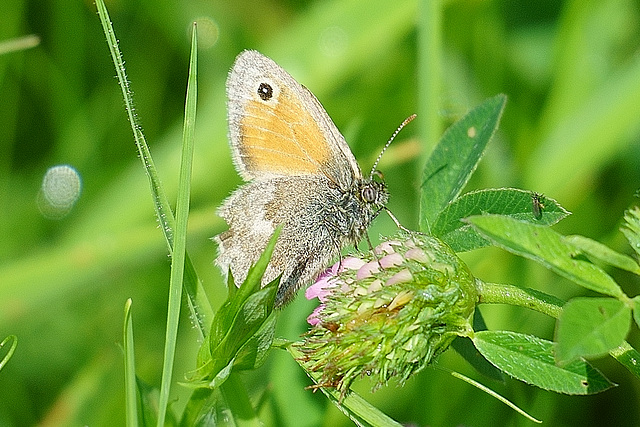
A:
<point x="495" y="293"/>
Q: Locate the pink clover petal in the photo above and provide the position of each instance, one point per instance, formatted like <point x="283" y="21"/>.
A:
<point x="320" y="289"/>
<point x="351" y="263"/>
<point x="314" y="318"/>
<point x="400" y="277"/>
<point x="345" y="288"/>
<point x="416" y="254"/>
<point x="391" y="260"/>
<point x="367" y="270"/>
<point x="331" y="271"/>
<point x="384" y="247"/>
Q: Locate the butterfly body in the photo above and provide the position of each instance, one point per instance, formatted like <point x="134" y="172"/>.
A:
<point x="300" y="173"/>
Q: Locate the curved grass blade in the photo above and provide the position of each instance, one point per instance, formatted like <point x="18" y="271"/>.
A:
<point x="495" y="395"/>
<point x="201" y="311"/>
<point x="12" y="349"/>
<point x="180" y="242"/>
<point x="131" y="401"/>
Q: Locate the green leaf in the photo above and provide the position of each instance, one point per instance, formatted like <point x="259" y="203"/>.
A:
<point x="250" y="318"/>
<point x="546" y="247"/>
<point x="201" y="408"/>
<point x="455" y="158"/>
<point x="510" y="202"/>
<point x="636" y="309"/>
<point x="628" y="357"/>
<point x="632" y="228"/>
<point x="604" y="253"/>
<point x="254" y="353"/>
<point x="225" y="316"/>
<point x="252" y="315"/>
<point x="241" y="410"/>
<point x="242" y="330"/>
<point x="221" y="375"/>
<point x="591" y="327"/>
<point x="530" y="359"/>
<point x="228" y="405"/>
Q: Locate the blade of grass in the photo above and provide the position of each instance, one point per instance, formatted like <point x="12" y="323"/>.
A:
<point x="494" y="395"/>
<point x="201" y="311"/>
<point x="131" y="414"/>
<point x="182" y="214"/>
<point x="12" y="349"/>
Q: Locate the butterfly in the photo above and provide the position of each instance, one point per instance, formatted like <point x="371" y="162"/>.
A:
<point x="299" y="173"/>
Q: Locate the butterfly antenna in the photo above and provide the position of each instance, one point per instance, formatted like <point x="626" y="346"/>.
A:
<point x="394" y="219"/>
<point x="403" y="124"/>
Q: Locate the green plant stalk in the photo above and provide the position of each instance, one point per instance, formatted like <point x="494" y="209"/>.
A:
<point x="182" y="214"/>
<point x="494" y="293"/>
<point x="131" y="414"/>
<point x="429" y="70"/>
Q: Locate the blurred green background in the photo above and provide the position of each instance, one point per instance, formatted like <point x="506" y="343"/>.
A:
<point x="570" y="130"/>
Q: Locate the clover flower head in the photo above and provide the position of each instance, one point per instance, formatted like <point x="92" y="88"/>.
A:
<point x="388" y="313"/>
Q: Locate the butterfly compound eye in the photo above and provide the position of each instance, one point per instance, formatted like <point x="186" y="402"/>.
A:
<point x="265" y="91"/>
<point x="369" y="194"/>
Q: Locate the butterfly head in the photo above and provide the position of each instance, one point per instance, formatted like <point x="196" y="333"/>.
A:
<point x="374" y="192"/>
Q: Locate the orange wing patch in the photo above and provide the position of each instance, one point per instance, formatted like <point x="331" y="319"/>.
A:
<point x="282" y="137"/>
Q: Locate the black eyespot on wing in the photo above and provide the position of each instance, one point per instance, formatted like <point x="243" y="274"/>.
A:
<point x="265" y="91"/>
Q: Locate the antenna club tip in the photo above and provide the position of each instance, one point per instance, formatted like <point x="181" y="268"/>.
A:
<point x="409" y="119"/>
